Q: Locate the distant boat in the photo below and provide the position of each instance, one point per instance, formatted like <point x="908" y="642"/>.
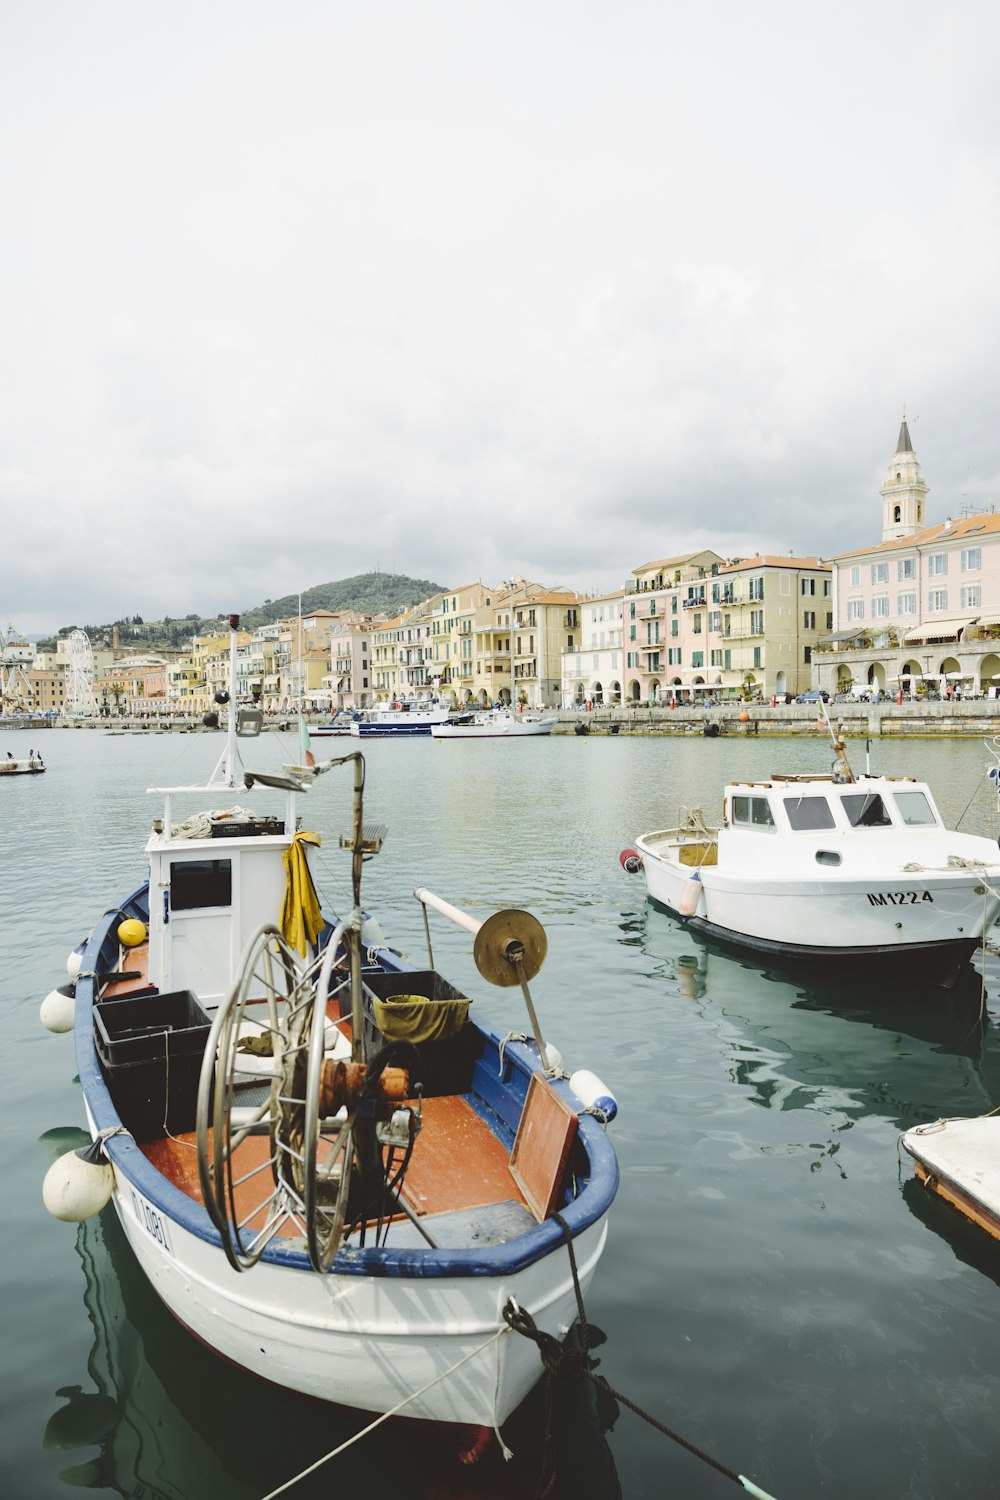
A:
<point x="958" y="1161"/>
<point x="492" y="724"/>
<point x="405" y="716"/>
<point x="338" y="725"/>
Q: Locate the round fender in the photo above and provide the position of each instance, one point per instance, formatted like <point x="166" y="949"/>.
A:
<point x="630" y="860"/>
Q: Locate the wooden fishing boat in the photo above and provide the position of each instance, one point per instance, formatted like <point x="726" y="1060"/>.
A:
<point x="331" y="1172"/>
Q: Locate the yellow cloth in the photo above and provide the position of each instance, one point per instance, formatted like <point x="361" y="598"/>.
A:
<point x="412" y="1018"/>
<point x="301" y="918"/>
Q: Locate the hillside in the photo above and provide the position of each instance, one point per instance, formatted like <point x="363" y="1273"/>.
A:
<point x="369" y="593"/>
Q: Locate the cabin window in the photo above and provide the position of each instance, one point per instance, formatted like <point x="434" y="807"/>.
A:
<point x="915" y="810"/>
<point x="752" y="812"/>
<point x="201" y="882"/>
<point x="809" y="812"/>
<point x="828" y="857"/>
<point x="866" y="810"/>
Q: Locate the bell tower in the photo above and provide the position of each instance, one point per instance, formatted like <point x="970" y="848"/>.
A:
<point x="904" y="491"/>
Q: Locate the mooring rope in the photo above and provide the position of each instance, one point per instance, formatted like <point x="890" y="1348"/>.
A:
<point x="493" y="1338"/>
<point x="576" y="1364"/>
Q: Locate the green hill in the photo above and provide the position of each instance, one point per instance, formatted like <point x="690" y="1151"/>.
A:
<point x="368" y="593"/>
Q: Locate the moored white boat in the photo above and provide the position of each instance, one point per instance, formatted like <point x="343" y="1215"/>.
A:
<point x="343" y="1214"/>
<point x="339" y="725"/>
<point x="859" y="871"/>
<point x="492" y="724"/>
<point x="407" y="716"/>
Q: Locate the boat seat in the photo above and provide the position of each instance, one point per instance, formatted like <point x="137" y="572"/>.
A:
<point x="698" y="854"/>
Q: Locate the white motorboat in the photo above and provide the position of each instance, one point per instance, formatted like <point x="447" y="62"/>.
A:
<point x="339" y="725"/>
<point x="491" y="724"/>
<point x="331" y="1174"/>
<point x="829" y="867"/>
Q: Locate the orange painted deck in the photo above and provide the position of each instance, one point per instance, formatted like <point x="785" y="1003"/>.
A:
<point x="134" y="961"/>
<point x="457" y="1163"/>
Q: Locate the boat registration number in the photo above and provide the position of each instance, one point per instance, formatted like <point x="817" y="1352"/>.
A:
<point x="898" y="898"/>
<point x="151" y="1220"/>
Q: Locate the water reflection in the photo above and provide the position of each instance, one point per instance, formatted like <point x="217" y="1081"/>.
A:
<point x="821" y="1041"/>
<point x="171" y="1420"/>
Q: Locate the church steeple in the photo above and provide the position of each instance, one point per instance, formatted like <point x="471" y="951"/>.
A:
<point x="903" y="492"/>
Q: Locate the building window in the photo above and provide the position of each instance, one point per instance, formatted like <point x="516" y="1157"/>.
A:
<point x="756" y="622"/>
<point x="827" y="586"/>
<point x="855" y="609"/>
<point x="906" y="604"/>
<point x="880" y="572"/>
<point x="809" y="586"/>
<point x="808" y="619"/>
<point x="756" y="656"/>
<point x="715" y="620"/>
<point x="727" y="661"/>
<point x="906" y="567"/>
<point x="855" y="577"/>
<point x="674" y="628"/>
<point x="972" y="596"/>
<point x="697" y="658"/>
<point x="937" y="564"/>
<point x="880" y="607"/>
<point x="757" y="588"/>
<point x="696" y="625"/>
<point x="971" y="559"/>
<point x="807" y="655"/>
<point x="937" y="600"/>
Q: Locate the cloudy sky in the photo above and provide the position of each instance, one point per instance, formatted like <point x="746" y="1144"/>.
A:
<point x="462" y="290"/>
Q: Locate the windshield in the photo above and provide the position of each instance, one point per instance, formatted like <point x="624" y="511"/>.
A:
<point x="914" y="809"/>
<point x="809" y="812"/>
<point x="866" y="810"/>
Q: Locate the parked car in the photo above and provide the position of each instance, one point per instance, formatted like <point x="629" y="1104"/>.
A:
<point x="814" y="695"/>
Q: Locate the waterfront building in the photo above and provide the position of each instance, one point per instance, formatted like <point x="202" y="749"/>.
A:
<point x="348" y="682"/>
<point x="48" y="689"/>
<point x="663" y="626"/>
<point x="918" y="611"/>
<point x="699" y="627"/>
<point x="592" y="664"/>
<point x="520" y="636"/>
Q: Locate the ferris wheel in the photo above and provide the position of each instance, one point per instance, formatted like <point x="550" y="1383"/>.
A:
<point x="80" y="700"/>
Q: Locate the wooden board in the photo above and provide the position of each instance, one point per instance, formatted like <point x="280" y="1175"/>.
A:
<point x="541" y="1147"/>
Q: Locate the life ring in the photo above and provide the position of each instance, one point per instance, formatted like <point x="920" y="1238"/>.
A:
<point x="397" y="707"/>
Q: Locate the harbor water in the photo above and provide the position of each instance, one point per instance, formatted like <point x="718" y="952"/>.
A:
<point x="775" y="1288"/>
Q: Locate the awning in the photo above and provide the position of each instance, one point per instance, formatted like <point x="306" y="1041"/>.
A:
<point x="842" y="635"/>
<point x="937" y="630"/>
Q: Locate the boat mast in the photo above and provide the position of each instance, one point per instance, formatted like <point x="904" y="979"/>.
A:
<point x="230" y="765"/>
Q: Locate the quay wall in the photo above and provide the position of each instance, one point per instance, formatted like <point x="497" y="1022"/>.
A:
<point x="978" y="718"/>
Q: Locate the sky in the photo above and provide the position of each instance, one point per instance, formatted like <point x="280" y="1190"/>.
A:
<point x="471" y="290"/>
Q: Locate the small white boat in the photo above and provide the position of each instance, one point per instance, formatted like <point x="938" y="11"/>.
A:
<point x="407" y="716"/>
<point x="491" y="724"/>
<point x="330" y="1172"/>
<point x="829" y="867"/>
<point x="32" y="766"/>
<point x="339" y="725"/>
<point x="959" y="1162"/>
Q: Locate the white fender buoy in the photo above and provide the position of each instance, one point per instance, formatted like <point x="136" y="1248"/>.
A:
<point x="553" y="1058"/>
<point x="58" y="1009"/>
<point x="690" y="896"/>
<point x="78" y="1185"/>
<point x="75" y="961"/>
<point x="593" y="1094"/>
<point x="372" y="935"/>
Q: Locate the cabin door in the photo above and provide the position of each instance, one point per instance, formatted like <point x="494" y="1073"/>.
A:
<point x="200" y="920"/>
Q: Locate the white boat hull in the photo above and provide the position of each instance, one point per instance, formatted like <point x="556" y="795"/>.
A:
<point x="362" y="1341"/>
<point x="508" y="727"/>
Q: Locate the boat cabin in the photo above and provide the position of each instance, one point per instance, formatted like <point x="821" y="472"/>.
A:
<point x="809" y="804"/>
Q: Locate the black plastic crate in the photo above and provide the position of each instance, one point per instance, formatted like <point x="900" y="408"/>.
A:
<point x="227" y="828"/>
<point x="139" y="1028"/>
<point x="445" y="1066"/>
<point x="151" y="1049"/>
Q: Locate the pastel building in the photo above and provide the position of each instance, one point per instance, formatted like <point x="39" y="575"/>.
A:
<point x="593" y="662"/>
<point x="919" y="609"/>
